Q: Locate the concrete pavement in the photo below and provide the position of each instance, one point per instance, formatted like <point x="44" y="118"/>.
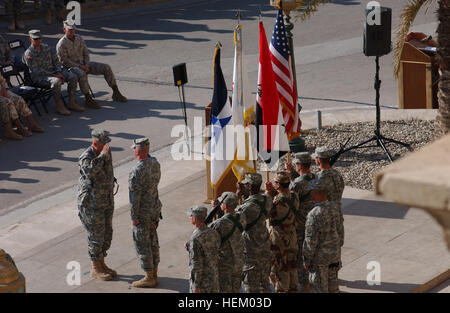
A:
<point x="405" y="242"/>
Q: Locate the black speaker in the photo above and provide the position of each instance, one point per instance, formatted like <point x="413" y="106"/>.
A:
<point x="377" y="31"/>
<point x="179" y="74"/>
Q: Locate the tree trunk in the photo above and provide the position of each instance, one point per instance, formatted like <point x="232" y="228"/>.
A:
<point x="443" y="31"/>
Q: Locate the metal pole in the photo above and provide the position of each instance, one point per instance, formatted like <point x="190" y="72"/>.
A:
<point x="377" y="99"/>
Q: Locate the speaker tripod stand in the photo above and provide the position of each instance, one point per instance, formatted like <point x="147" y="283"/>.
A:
<point x="378" y="137"/>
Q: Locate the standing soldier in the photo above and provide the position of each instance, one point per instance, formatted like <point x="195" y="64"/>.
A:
<point x="324" y="237"/>
<point x="203" y="248"/>
<point x="283" y="273"/>
<point x="45" y="70"/>
<point x="96" y="201"/>
<point x="14" y="10"/>
<point x="230" y="227"/>
<point x="299" y="185"/>
<point x="74" y="56"/>
<point x="145" y="211"/>
<point x="257" y="255"/>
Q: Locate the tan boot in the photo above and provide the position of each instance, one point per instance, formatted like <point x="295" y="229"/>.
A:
<point x="91" y="103"/>
<point x="110" y="271"/>
<point x="9" y="133"/>
<point x="12" y="25"/>
<point x="306" y="288"/>
<point x="33" y="126"/>
<point x="48" y="17"/>
<point x="61" y="109"/>
<point x="73" y="105"/>
<point x="147" y="282"/>
<point x="98" y="272"/>
<point x="20" y="25"/>
<point x="22" y="130"/>
<point x="117" y="96"/>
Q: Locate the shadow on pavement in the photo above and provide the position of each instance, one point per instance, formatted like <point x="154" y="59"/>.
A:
<point x="386" y="287"/>
<point x="372" y="208"/>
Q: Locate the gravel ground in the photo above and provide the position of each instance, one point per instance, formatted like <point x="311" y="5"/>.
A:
<point x="359" y="166"/>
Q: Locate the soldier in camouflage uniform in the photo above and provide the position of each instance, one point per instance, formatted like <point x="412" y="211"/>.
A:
<point x="332" y="178"/>
<point x="59" y="10"/>
<point x="6" y="56"/>
<point x="203" y="248"/>
<point x="299" y="185"/>
<point x="324" y="237"/>
<point x="257" y="254"/>
<point x="145" y="211"/>
<point x="45" y="70"/>
<point x="74" y="56"/>
<point x="283" y="238"/>
<point x="13" y="107"/>
<point x="96" y="201"/>
<point x="230" y="227"/>
<point x="14" y="9"/>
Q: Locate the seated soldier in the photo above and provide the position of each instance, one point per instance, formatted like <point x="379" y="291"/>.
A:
<point x="45" y="70"/>
<point x="12" y="106"/>
<point x="74" y="56"/>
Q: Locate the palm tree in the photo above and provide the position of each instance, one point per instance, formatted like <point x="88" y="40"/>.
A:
<point x="407" y="17"/>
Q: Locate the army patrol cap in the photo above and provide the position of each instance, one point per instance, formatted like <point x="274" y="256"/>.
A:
<point x="282" y="178"/>
<point x="141" y="142"/>
<point x="35" y="34"/>
<point x="303" y="158"/>
<point x="252" y="179"/>
<point x="101" y="136"/>
<point x="231" y="199"/>
<point x="198" y="211"/>
<point x="69" y="24"/>
<point x="323" y="153"/>
<point x="316" y="184"/>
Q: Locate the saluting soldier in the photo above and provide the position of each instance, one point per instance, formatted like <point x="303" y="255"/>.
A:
<point x="74" y="56"/>
<point x="299" y="185"/>
<point x="145" y="211"/>
<point x="231" y="257"/>
<point x="257" y="255"/>
<point x="324" y="237"/>
<point x="283" y="238"/>
<point x="96" y="201"/>
<point x="45" y="70"/>
<point x="203" y="248"/>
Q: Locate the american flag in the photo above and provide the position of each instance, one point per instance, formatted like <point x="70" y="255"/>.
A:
<point x="281" y="64"/>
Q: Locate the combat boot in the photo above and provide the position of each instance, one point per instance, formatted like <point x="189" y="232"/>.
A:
<point x="147" y="282"/>
<point x="12" y="25"/>
<point x="61" y="109"/>
<point x="117" y="96"/>
<point x="9" y="133"/>
<point x="97" y="271"/>
<point x="48" y="17"/>
<point x="91" y="103"/>
<point x="73" y="105"/>
<point x="22" y="130"/>
<point x="306" y="288"/>
<point x="110" y="271"/>
<point x="33" y="126"/>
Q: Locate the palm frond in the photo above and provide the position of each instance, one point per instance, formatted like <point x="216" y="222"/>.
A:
<point x="308" y="7"/>
<point x="406" y="19"/>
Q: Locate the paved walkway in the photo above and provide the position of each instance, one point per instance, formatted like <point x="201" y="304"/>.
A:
<point x="45" y="236"/>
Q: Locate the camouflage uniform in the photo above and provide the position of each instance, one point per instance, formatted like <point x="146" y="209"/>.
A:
<point x="204" y="249"/>
<point x="322" y="246"/>
<point x="74" y="53"/>
<point x="15" y="8"/>
<point x="299" y="186"/>
<point x="96" y="200"/>
<point x="4" y="113"/>
<point x="13" y="104"/>
<point x="283" y="240"/>
<point x="5" y="52"/>
<point x="146" y="208"/>
<point x="257" y="255"/>
<point x="42" y="64"/>
<point x="230" y="227"/>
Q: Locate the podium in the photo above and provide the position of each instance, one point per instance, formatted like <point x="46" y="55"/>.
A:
<point x="417" y="83"/>
<point x="228" y="183"/>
